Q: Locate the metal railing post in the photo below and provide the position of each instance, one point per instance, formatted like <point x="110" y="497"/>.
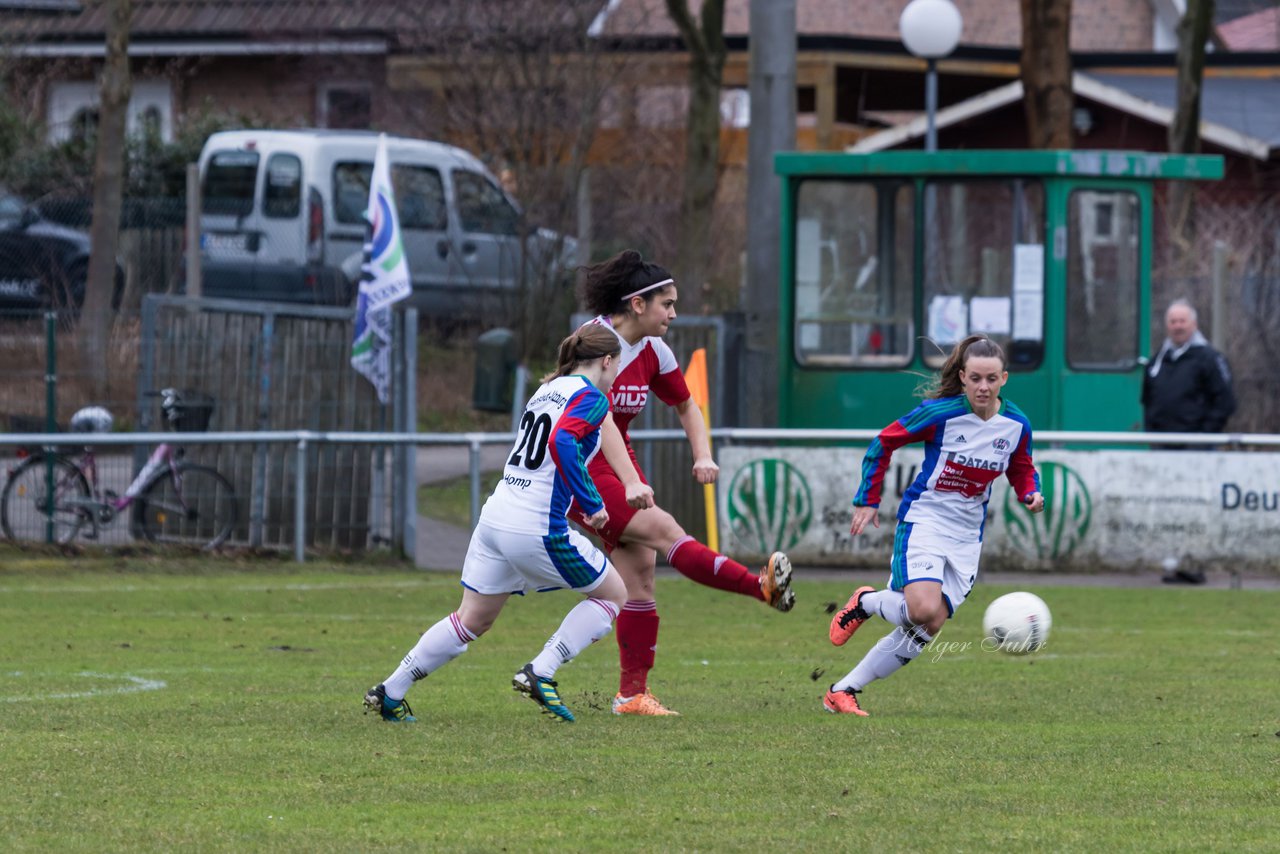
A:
<point x="475" y="482"/>
<point x="300" y="503"/>
<point x="50" y="409"/>
<point x="408" y="476"/>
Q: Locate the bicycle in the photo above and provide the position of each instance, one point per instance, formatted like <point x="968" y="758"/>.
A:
<point x="52" y="496"/>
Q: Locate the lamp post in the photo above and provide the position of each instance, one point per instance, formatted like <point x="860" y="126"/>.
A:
<point x="931" y="30"/>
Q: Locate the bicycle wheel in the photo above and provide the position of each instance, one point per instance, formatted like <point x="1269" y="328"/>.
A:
<point x="189" y="505"/>
<point x="25" y="508"/>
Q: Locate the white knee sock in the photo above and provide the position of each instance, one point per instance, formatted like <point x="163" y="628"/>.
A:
<point x="439" y="645"/>
<point x="890" y="653"/>
<point x="888" y="605"/>
<point x="590" y="620"/>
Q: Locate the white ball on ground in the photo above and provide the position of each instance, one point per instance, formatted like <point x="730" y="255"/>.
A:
<point x="1016" y="623"/>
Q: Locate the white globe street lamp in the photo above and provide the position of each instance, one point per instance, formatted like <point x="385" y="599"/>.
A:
<point x="931" y="29"/>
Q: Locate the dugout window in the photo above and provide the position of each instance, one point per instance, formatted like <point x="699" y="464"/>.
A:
<point x="1103" y="280"/>
<point x="984" y="267"/>
<point x="854" y="304"/>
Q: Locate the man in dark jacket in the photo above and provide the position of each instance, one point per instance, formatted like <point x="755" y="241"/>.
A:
<point x="1187" y="385"/>
<point x="1186" y="389"/>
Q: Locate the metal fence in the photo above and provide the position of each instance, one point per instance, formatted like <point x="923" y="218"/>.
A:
<point x="285" y="504"/>
<point x="266" y="367"/>
<point x="389" y="505"/>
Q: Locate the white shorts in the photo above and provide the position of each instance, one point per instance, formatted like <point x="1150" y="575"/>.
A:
<point x="506" y="562"/>
<point x="923" y="555"/>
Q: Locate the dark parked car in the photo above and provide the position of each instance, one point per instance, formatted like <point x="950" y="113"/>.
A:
<point x="42" y="264"/>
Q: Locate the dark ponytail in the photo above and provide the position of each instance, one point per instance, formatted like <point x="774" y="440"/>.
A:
<point x="605" y="286"/>
<point x="590" y="341"/>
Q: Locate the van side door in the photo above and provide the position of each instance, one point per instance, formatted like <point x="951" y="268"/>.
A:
<point x="423" y="216"/>
<point x="487" y="254"/>
<point x="282" y="266"/>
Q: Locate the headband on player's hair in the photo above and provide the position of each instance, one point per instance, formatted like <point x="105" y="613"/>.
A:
<point x="647" y="288"/>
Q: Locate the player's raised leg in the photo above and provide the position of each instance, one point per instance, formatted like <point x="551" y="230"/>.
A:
<point x="658" y="530"/>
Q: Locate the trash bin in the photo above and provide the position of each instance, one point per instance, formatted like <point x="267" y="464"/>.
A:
<point x="496" y="360"/>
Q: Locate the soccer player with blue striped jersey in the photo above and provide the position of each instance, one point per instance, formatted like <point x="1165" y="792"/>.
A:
<point x="524" y="541"/>
<point x="971" y="437"/>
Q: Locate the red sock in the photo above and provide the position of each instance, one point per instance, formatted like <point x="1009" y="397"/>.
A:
<point x="637" y="631"/>
<point x="695" y="561"/>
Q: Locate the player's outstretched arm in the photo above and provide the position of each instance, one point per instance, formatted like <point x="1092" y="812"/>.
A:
<point x="705" y="469"/>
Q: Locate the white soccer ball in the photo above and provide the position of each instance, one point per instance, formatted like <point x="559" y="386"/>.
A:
<point x="1016" y="623"/>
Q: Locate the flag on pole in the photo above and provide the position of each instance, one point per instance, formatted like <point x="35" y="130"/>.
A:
<point x="384" y="279"/>
<point x="695" y="377"/>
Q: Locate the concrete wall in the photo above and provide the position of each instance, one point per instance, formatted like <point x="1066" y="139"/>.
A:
<point x="1105" y="510"/>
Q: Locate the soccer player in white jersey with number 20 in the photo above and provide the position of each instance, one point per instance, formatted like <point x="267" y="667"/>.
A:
<point x="971" y="436"/>
<point x="524" y="541"/>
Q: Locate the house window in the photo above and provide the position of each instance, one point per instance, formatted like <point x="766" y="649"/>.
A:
<point x="72" y="109"/>
<point x="83" y="126"/>
<point x="735" y="108"/>
<point x="345" y="106"/>
<point x="150" y="122"/>
<point x="806" y="100"/>
<point x="662" y="106"/>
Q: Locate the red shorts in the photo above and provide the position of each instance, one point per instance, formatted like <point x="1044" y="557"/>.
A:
<point x="614" y="495"/>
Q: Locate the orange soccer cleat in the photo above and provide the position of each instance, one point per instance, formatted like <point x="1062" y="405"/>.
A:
<point x="848" y="618"/>
<point x="641" y="704"/>
<point x="843" y="702"/>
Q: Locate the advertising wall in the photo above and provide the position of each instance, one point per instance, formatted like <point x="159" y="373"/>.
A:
<point x="1105" y="510"/>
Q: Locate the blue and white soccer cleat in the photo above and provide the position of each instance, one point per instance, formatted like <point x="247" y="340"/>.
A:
<point x="543" y="692"/>
<point x="392" y="711"/>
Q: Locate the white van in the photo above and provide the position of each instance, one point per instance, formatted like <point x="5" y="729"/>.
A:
<point x="284" y="209"/>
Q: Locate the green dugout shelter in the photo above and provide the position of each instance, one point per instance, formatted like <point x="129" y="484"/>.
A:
<point x="889" y="259"/>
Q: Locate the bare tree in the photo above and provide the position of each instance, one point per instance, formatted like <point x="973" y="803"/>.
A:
<point x="1184" y="133"/>
<point x="1046" y="72"/>
<point x="523" y="84"/>
<point x="108" y="191"/>
<point x="704" y="39"/>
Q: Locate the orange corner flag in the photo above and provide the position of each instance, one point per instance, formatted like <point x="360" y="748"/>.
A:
<point x="696" y="379"/>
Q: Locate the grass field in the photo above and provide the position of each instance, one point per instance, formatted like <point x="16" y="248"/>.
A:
<point x="150" y="704"/>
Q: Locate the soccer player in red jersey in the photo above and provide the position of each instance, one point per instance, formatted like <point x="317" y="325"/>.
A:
<point x="637" y="301"/>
